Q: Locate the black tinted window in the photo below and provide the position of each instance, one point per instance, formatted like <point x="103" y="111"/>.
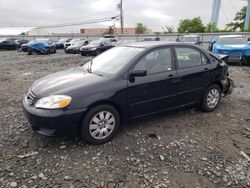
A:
<point x="189" y="57"/>
<point x="157" y="61"/>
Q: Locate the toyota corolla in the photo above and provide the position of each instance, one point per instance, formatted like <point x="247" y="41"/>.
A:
<point x="125" y="82"/>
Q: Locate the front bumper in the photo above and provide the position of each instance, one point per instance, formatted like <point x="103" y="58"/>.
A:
<point x="88" y="52"/>
<point x="53" y="122"/>
<point x="72" y="51"/>
<point x="238" y="59"/>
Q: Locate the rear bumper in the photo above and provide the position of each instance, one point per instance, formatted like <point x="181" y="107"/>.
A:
<point x="53" y="122"/>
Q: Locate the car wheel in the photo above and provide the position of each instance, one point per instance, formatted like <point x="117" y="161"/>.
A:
<point x="98" y="52"/>
<point x="211" y="98"/>
<point x="29" y="52"/>
<point x="100" y="124"/>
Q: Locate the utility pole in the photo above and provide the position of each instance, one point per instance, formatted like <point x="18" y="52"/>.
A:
<point x="247" y="17"/>
<point x="215" y="12"/>
<point x="121" y="17"/>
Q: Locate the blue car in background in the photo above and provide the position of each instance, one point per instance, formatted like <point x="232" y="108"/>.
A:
<point x="41" y="46"/>
<point x="234" y="46"/>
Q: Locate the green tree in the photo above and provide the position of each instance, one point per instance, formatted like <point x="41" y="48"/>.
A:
<point x="238" y="22"/>
<point x="194" y="25"/>
<point x="110" y="30"/>
<point x="167" y="29"/>
<point x="140" y="28"/>
<point x="211" y="28"/>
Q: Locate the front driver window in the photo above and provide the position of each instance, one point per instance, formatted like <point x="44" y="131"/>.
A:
<point x="189" y="57"/>
<point x="155" y="62"/>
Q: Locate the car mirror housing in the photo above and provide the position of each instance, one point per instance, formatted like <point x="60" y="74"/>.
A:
<point x="136" y="73"/>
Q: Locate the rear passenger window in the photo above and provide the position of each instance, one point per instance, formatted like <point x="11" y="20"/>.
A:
<point x="189" y="57"/>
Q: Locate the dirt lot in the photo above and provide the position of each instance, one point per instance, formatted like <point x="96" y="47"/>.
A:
<point x="185" y="148"/>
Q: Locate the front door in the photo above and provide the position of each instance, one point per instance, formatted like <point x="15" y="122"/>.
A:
<point x="157" y="90"/>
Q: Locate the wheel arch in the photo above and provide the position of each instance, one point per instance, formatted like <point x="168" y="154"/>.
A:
<point x="217" y="82"/>
<point x="98" y="103"/>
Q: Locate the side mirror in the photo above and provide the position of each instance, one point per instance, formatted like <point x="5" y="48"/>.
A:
<point x="136" y="73"/>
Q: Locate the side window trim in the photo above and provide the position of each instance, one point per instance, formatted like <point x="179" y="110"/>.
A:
<point x="173" y="64"/>
<point x="191" y="47"/>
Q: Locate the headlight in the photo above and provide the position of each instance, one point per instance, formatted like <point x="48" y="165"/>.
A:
<point x="53" y="102"/>
<point x="93" y="48"/>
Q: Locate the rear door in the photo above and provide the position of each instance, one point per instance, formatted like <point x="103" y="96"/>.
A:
<point x="157" y="90"/>
<point x="193" y="70"/>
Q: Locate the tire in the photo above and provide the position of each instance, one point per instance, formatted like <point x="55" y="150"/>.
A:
<point x="98" y="52"/>
<point x="29" y="51"/>
<point x="211" y="98"/>
<point x="93" y="124"/>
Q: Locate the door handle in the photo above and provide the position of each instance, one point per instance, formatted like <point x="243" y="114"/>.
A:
<point x="205" y="70"/>
<point x="173" y="78"/>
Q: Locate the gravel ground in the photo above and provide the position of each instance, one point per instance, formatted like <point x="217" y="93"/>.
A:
<point x="185" y="148"/>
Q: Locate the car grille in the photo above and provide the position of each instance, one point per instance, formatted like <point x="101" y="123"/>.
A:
<point x="30" y="98"/>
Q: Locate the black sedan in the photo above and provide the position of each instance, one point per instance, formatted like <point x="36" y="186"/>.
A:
<point x="75" y="48"/>
<point x="9" y="44"/>
<point x="125" y="82"/>
<point x="97" y="47"/>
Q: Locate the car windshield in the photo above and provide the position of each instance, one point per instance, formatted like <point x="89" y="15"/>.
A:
<point x="81" y="42"/>
<point x="74" y="40"/>
<point x="111" y="61"/>
<point x="231" y="41"/>
<point x="96" y="42"/>
<point x="62" y="40"/>
<point x="189" y="39"/>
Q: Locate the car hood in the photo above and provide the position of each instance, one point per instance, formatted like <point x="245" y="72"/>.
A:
<point x="233" y="47"/>
<point x="74" y="47"/>
<point x="233" y="50"/>
<point x="89" y="46"/>
<point x="65" y="82"/>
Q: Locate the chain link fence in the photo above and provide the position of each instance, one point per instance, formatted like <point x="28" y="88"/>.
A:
<point x="204" y="37"/>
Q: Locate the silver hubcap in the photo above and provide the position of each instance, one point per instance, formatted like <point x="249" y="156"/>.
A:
<point x="213" y="98"/>
<point x="102" y="125"/>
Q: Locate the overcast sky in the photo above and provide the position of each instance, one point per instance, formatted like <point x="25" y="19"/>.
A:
<point x="153" y="13"/>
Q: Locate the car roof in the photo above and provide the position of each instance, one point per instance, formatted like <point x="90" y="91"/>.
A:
<point x="152" y="44"/>
<point x="230" y="36"/>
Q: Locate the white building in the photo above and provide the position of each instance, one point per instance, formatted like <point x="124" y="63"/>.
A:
<point x="23" y="31"/>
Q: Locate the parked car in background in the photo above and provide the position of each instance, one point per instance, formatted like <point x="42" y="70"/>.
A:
<point x="191" y="39"/>
<point x="234" y="46"/>
<point x="151" y="39"/>
<point x="125" y="82"/>
<point x="24" y="47"/>
<point x="21" y="41"/>
<point x="41" y="46"/>
<point x="60" y="43"/>
<point x="9" y="44"/>
<point x="75" y="48"/>
<point x="98" y="46"/>
<point x="71" y="42"/>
